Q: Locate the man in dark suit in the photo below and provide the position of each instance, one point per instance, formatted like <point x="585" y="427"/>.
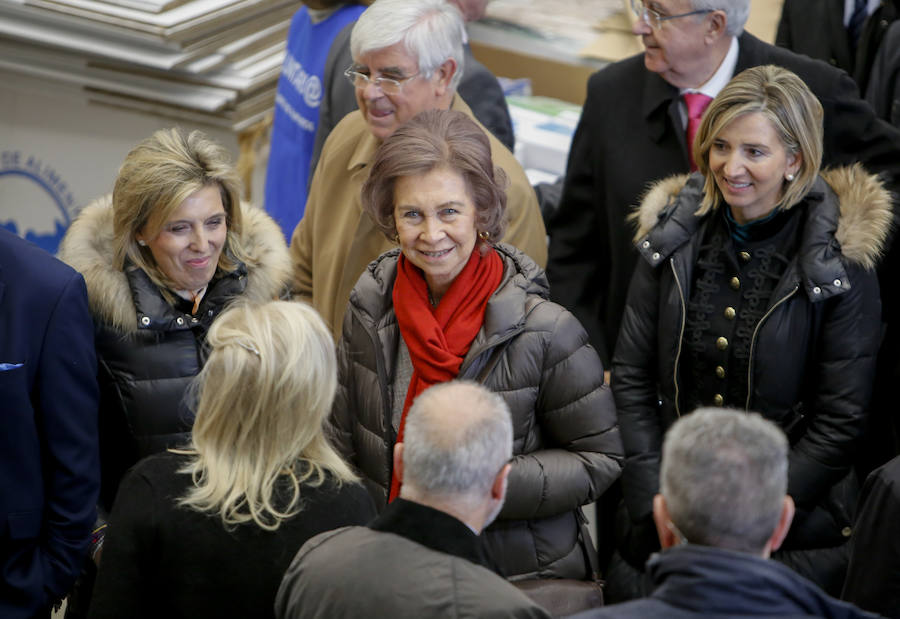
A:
<point x="632" y="131"/>
<point x="478" y="87"/>
<point x="846" y="33"/>
<point x="49" y="463"/>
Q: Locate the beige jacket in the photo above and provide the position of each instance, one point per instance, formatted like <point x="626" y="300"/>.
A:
<point x="336" y="240"/>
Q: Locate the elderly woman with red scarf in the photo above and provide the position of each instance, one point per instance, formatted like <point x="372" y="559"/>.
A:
<point x="452" y="302"/>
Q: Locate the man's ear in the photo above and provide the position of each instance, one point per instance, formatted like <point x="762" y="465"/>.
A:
<point x="716" y="24"/>
<point x="398" y="461"/>
<point x="498" y="488"/>
<point x="444" y="76"/>
<point x="667" y="537"/>
<point x="784" y="525"/>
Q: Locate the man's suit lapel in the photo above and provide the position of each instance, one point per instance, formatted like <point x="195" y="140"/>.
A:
<point x="660" y="111"/>
<point x="837" y="34"/>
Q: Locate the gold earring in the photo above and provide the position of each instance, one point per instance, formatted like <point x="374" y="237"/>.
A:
<point x="484" y="235"/>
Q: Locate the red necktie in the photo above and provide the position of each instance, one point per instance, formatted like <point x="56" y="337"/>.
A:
<point x="696" y="104"/>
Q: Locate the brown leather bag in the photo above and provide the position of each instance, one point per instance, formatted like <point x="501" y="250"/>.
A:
<point x="567" y="596"/>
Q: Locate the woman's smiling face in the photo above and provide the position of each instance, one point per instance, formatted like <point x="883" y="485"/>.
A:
<point x="435" y="219"/>
<point x="750" y="166"/>
<point x="188" y="246"/>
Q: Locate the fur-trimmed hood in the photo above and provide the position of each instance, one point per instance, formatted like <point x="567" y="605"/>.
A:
<point x="863" y="225"/>
<point x="88" y="248"/>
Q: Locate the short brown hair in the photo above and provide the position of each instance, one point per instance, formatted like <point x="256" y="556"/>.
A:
<point x="787" y="102"/>
<point x="155" y="178"/>
<point x="438" y="139"/>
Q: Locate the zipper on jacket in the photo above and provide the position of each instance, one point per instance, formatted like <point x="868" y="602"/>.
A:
<point x="753" y="342"/>
<point x="680" y="333"/>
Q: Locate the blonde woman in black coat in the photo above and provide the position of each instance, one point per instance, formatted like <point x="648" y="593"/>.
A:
<point x="755" y="290"/>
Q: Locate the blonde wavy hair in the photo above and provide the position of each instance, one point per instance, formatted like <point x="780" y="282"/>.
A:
<point x="263" y="397"/>
<point x="155" y="178"/>
<point x="792" y="109"/>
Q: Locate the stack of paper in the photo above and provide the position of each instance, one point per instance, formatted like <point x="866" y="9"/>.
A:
<point x="211" y="61"/>
<point x="544" y="128"/>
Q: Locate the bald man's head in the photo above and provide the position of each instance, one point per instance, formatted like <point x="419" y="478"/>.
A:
<point x="458" y="435"/>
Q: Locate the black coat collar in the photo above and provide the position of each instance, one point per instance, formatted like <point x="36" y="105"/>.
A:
<point x="659" y="94"/>
<point x="433" y="529"/>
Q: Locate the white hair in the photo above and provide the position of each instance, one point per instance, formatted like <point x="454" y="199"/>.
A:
<point x="736" y="12"/>
<point x="458" y="435"/>
<point x="430" y="30"/>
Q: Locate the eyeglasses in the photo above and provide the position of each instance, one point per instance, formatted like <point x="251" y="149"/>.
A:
<point x="656" y="19"/>
<point x="387" y="85"/>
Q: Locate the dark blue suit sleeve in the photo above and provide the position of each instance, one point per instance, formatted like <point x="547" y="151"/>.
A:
<point x="68" y="393"/>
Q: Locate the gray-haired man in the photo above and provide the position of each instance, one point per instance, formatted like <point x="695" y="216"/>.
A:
<point x="722" y="510"/>
<point x="422" y="556"/>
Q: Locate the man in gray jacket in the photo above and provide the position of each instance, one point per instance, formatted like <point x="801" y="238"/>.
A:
<point x="422" y="557"/>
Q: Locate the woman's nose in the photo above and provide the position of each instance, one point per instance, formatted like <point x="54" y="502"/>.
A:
<point x="432" y="229"/>
<point x="198" y="238"/>
<point x="733" y="164"/>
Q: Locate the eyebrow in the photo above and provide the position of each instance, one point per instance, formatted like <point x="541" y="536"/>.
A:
<point x="742" y="144"/>
<point x="187" y="221"/>
<point x="394" y="69"/>
<point x="441" y="205"/>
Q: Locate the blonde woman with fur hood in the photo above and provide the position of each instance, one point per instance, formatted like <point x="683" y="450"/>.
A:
<point x="756" y="291"/>
<point x="162" y="258"/>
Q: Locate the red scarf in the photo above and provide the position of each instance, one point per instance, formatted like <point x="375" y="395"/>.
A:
<point x="438" y="338"/>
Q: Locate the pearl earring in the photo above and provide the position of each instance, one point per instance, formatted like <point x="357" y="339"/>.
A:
<point x="789" y="177"/>
<point x="142" y="242"/>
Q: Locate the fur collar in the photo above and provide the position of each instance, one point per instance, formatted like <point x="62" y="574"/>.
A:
<point x="88" y="247"/>
<point x="863" y="224"/>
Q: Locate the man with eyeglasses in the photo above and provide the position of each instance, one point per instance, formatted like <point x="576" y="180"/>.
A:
<point x="634" y="129"/>
<point x="408" y="58"/>
<point x="478" y="87"/>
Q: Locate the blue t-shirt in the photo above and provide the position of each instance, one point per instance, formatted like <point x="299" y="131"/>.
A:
<point x="297" y="112"/>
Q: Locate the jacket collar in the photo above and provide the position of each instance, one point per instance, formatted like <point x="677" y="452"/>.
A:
<point x="727" y="583"/>
<point x="505" y="313"/>
<point x="848" y="216"/>
<point x="156" y="314"/>
<point x="752" y="52"/>
<point x="657" y="106"/>
<point x="88" y="247"/>
<point x="433" y="529"/>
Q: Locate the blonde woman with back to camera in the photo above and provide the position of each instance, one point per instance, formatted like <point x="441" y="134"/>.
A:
<point x="209" y="530"/>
